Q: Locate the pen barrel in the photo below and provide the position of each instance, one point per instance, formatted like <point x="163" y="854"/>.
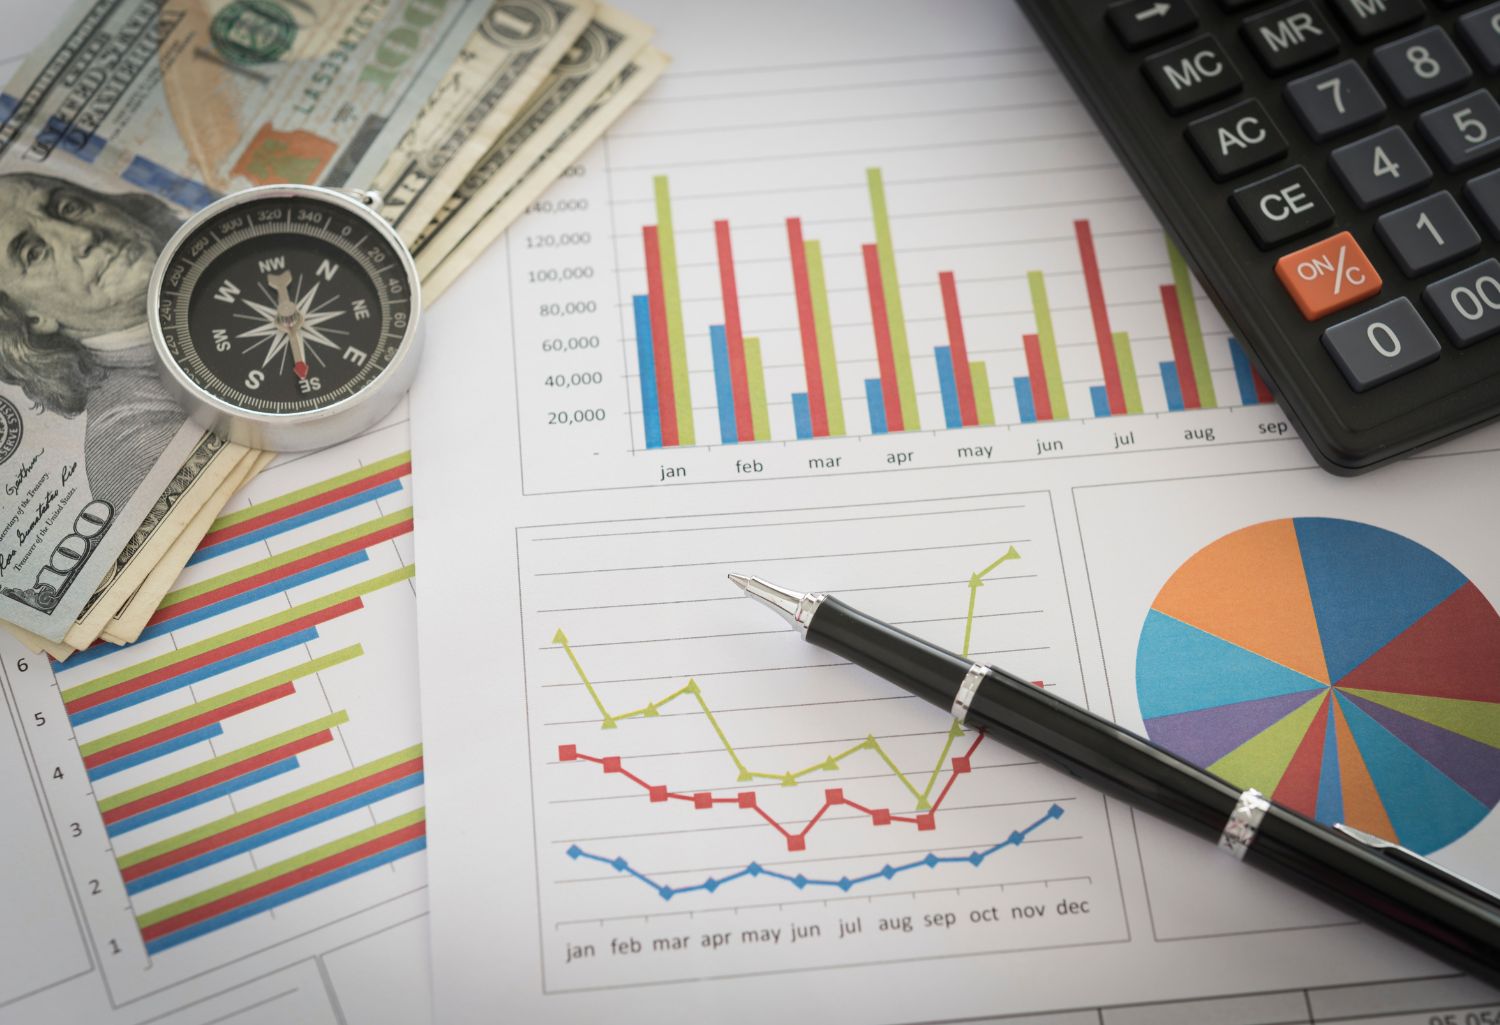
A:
<point x="1399" y="893"/>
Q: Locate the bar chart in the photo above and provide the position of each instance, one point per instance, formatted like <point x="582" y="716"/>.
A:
<point x="252" y="762"/>
<point x="703" y="773"/>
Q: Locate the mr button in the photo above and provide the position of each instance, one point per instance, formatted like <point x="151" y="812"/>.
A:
<point x="1283" y="206"/>
<point x="1328" y="275"/>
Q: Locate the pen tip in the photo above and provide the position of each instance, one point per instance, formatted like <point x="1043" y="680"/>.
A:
<point x="740" y="580"/>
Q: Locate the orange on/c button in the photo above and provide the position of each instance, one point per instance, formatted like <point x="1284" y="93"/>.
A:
<point x="1328" y="275"/>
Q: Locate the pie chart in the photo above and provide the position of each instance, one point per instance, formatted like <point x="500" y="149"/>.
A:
<point x="1345" y="670"/>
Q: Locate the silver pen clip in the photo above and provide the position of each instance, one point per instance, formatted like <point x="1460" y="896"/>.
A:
<point x="1426" y="866"/>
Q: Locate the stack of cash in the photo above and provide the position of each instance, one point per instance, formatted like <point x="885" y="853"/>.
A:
<point x="137" y="112"/>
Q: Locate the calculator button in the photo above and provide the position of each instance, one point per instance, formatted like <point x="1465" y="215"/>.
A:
<point x="1467" y="304"/>
<point x="1192" y="74"/>
<point x="1236" y="139"/>
<point x="1385" y="342"/>
<point x="1328" y="275"/>
<point x="1427" y="233"/>
<point x="1283" y="206"/>
<point x="1483" y="194"/>
<point x="1368" y="18"/>
<point x="1140" y="23"/>
<point x="1334" y="100"/>
<point x="1289" y="36"/>
<point x="1463" y="131"/>
<point x="1421" y="65"/>
<point x="1380" y="167"/>
<point x="1480" y="31"/>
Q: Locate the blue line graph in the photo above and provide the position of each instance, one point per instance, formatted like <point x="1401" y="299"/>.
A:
<point x="801" y="882"/>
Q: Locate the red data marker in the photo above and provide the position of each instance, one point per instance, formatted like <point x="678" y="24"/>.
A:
<point x="611" y="763"/>
<point x="658" y="794"/>
<point x="747" y="799"/>
<point x="881" y="816"/>
<point x="703" y="800"/>
<point x="796" y="843"/>
<point x="567" y="752"/>
<point x="926" y="821"/>
<point x="834" y="795"/>
<point x="960" y="764"/>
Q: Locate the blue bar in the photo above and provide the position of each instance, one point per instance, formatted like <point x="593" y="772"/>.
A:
<point x="288" y="895"/>
<point x="1170" y="386"/>
<point x="156" y="751"/>
<point x="1024" y="404"/>
<point x="1101" y="399"/>
<point x="948" y="387"/>
<point x="729" y="432"/>
<point x="1242" y="375"/>
<point x="293" y="522"/>
<point x="802" y="413"/>
<point x="877" y="405"/>
<point x="189" y="678"/>
<point x="229" y="786"/>
<point x="646" y="356"/>
<point x="333" y="811"/>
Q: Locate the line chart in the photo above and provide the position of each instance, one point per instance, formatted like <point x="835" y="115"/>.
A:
<point x="801" y="881"/>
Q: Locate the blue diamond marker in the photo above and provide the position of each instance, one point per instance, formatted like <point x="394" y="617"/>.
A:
<point x="619" y="864"/>
<point x="844" y="884"/>
<point x="665" y="891"/>
<point x="711" y="885"/>
<point x="975" y="857"/>
<point x="930" y="861"/>
<point x="799" y="880"/>
<point x="754" y="868"/>
<point x="574" y="852"/>
<point x="1055" y="811"/>
<point x="888" y="872"/>
<point x="1016" y="838"/>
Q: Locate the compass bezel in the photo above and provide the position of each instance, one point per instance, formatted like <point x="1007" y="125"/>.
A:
<point x="303" y="429"/>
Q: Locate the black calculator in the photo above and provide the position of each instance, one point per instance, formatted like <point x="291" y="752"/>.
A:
<point x="1331" y="170"/>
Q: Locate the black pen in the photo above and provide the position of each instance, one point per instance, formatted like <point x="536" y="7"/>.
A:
<point x="1386" y="884"/>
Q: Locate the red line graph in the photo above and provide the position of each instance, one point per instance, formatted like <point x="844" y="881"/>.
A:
<point x="746" y="799"/>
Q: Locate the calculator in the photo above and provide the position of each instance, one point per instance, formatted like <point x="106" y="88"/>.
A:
<point x="1331" y="170"/>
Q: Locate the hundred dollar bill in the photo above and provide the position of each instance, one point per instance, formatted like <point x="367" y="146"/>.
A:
<point x="606" y="47"/>
<point x="188" y="99"/>
<point x="126" y="624"/>
<point x="500" y="66"/>
<point x="617" y="97"/>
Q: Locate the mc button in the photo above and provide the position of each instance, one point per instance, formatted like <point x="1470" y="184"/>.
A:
<point x="1283" y="206"/>
<point x="1190" y="75"/>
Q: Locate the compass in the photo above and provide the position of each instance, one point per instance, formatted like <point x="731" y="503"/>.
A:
<point x="286" y="316"/>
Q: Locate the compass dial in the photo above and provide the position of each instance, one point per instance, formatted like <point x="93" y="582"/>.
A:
<point x="285" y="305"/>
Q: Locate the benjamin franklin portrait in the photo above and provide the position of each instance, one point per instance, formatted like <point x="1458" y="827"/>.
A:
<point x="73" y="319"/>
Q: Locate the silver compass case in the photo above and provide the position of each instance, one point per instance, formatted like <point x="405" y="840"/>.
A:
<point x="304" y="430"/>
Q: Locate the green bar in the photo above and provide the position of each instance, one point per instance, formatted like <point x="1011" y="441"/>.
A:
<point x="983" y="404"/>
<point x="291" y="864"/>
<point x="1048" y="344"/>
<point x="827" y="361"/>
<point x="328" y="722"/>
<point x="229" y="697"/>
<point x="1189" y="306"/>
<point x="1126" y="362"/>
<point x="370" y="470"/>
<point x="759" y="416"/>
<point x="355" y="774"/>
<point x="277" y="561"/>
<point x="892" y="288"/>
<point x="682" y="397"/>
<point x="229" y="636"/>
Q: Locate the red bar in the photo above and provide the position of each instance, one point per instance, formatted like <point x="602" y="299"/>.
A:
<point x="286" y="512"/>
<point x="213" y="655"/>
<point x="220" y="775"/>
<point x="292" y="568"/>
<point x="817" y="406"/>
<point x="312" y="870"/>
<point x="197" y="722"/>
<point x="1262" y="389"/>
<point x="1184" y="360"/>
<point x="1102" y="334"/>
<point x="963" y="383"/>
<point x="1036" y="373"/>
<point x="890" y="390"/>
<point x="270" y="821"/>
<point x="666" y="401"/>
<point x="740" y="381"/>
